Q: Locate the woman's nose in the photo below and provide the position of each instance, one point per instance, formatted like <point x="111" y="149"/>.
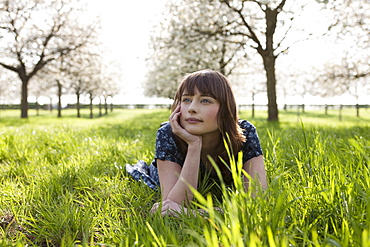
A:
<point x="192" y="107"/>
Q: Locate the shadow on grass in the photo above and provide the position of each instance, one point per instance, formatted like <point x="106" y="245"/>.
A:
<point x="69" y="117"/>
<point x="141" y="127"/>
<point x="11" y="119"/>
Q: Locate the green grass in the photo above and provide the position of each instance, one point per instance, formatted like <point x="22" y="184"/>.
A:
<point x="63" y="183"/>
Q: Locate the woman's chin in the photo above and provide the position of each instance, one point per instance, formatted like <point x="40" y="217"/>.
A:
<point x="191" y="130"/>
<point x="194" y="131"/>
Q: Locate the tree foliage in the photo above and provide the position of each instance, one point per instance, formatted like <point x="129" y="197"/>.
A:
<point x="349" y="71"/>
<point x="34" y="33"/>
<point x="193" y="37"/>
<point x="266" y="28"/>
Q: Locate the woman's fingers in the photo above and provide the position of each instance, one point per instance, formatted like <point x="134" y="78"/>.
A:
<point x="169" y="208"/>
<point x="154" y="208"/>
<point x="169" y="211"/>
<point x="164" y="206"/>
<point x="175" y="123"/>
<point x="176" y="111"/>
<point x="174" y="119"/>
<point x="165" y="210"/>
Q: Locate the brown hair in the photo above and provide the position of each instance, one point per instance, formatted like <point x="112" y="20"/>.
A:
<point x="217" y="86"/>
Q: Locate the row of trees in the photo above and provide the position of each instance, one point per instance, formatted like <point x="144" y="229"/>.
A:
<point x="53" y="48"/>
<point x="244" y="39"/>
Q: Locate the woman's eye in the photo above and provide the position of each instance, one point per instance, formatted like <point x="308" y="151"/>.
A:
<point x="206" y="101"/>
<point x="186" y="100"/>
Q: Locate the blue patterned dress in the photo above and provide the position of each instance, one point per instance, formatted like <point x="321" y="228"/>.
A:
<point x="166" y="149"/>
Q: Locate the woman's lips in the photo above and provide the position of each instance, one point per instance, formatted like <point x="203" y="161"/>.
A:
<point x="193" y="120"/>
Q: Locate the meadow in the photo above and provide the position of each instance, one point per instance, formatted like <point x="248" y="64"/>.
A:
<point x="63" y="183"/>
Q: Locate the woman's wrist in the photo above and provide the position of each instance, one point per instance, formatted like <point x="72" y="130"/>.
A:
<point x="195" y="144"/>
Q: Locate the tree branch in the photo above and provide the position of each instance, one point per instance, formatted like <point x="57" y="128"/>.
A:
<point x="15" y="69"/>
<point x="252" y="35"/>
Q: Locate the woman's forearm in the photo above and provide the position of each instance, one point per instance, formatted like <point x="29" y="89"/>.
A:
<point x="255" y="167"/>
<point x="188" y="176"/>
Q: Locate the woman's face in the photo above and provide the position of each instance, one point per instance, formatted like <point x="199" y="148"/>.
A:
<point x="199" y="113"/>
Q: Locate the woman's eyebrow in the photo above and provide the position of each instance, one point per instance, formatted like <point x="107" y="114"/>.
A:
<point x="202" y="95"/>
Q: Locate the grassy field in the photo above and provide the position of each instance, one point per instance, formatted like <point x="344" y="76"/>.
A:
<point x="63" y="183"/>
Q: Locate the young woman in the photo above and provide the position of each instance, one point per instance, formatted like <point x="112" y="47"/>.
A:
<point x="203" y="113"/>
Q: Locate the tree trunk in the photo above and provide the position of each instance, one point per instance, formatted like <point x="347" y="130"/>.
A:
<point x="269" y="60"/>
<point x="91" y="107"/>
<point x="24" y="97"/>
<point x="100" y="107"/>
<point x="59" y="98"/>
<point x="51" y="104"/>
<point x="222" y="60"/>
<point x="106" y="105"/>
<point x="78" y="105"/>
<point x="269" y="64"/>
<point x="37" y="107"/>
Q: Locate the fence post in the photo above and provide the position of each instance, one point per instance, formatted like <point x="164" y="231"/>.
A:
<point x="340" y="112"/>
<point x="357" y="110"/>
<point x="326" y="109"/>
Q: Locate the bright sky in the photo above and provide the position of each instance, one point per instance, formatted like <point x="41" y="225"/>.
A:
<point x="126" y="28"/>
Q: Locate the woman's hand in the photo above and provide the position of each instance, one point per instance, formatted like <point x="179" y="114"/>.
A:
<point x="178" y="130"/>
<point x="169" y="208"/>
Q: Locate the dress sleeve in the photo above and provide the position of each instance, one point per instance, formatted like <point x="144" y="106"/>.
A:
<point x="166" y="148"/>
<point x="251" y="147"/>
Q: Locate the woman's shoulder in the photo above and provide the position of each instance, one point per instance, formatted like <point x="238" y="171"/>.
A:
<point x="251" y="147"/>
<point x="165" y="127"/>
<point x="245" y="125"/>
<point x="166" y="147"/>
<point x="164" y="133"/>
